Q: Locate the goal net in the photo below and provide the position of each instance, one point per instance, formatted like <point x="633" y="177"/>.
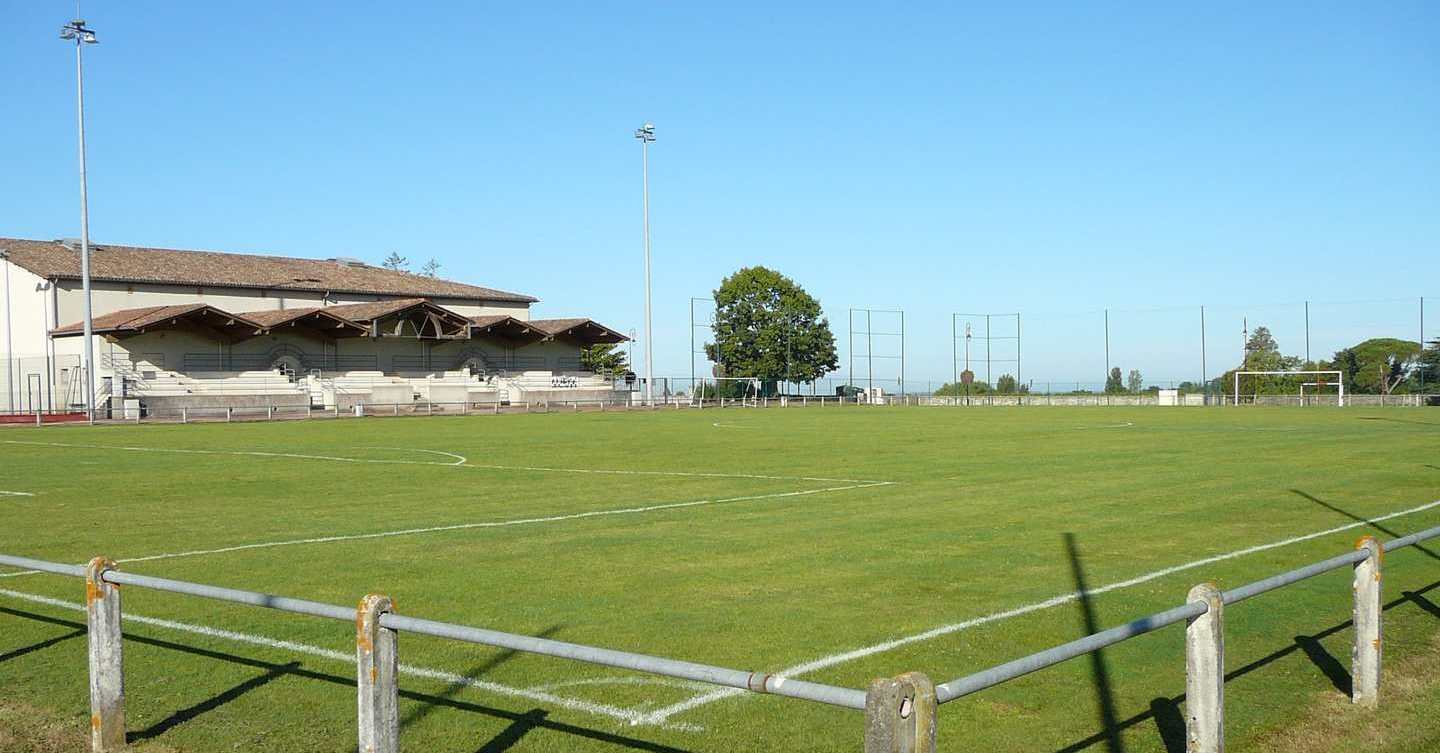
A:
<point x="723" y="391"/>
<point x="1289" y="388"/>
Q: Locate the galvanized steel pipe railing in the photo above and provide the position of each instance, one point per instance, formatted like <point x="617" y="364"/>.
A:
<point x="996" y="675"/>
<point x="757" y="682"/>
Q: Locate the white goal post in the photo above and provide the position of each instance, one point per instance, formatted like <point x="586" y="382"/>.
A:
<point x="1339" y="382"/>
<point x="749" y="391"/>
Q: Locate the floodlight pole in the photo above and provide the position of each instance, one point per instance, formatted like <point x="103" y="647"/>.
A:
<point x="82" y="35"/>
<point x="1307" y="332"/>
<point x="646" y="135"/>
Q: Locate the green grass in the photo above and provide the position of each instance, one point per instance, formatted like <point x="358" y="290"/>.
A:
<point x="972" y="523"/>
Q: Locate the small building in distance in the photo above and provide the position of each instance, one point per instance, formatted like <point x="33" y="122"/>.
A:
<point x="177" y="328"/>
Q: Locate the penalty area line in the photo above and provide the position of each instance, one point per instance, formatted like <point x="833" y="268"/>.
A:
<point x="4" y="493"/>
<point x="662" y="715"/>
<point x="572" y="704"/>
<point x="484" y="524"/>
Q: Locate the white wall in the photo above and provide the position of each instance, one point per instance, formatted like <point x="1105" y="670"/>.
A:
<point x="23" y="341"/>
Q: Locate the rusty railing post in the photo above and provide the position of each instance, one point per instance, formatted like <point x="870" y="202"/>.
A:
<point x="1205" y="673"/>
<point x="900" y="715"/>
<point x="1365" y="655"/>
<point x="376" y="665"/>
<point x="107" y="666"/>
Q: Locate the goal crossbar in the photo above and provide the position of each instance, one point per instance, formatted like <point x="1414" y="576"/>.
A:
<point x="1339" y="381"/>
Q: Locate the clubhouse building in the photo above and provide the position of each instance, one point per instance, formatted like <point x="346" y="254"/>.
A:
<point x="175" y="328"/>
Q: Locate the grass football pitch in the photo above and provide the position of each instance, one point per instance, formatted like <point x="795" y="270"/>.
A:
<point x="837" y="545"/>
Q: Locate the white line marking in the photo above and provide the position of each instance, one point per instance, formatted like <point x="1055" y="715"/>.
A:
<point x="573" y="704"/>
<point x="533" y="468"/>
<point x="723" y="425"/>
<point x="662" y="715"/>
<point x="4" y="493"/>
<point x="1125" y="425"/>
<point x="459" y="459"/>
<point x="485" y="524"/>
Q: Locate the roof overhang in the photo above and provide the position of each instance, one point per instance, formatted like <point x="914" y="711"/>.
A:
<point x="589" y="332"/>
<point x="426" y="320"/>
<point x="317" y="320"/>
<point x="201" y="318"/>
<point x="505" y="327"/>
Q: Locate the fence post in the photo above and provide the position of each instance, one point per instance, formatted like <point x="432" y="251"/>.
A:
<point x="228" y="411"/>
<point x="900" y="715"/>
<point x="107" y="668"/>
<point x="269" y="412"/>
<point x="376" y="664"/>
<point x="1365" y="656"/>
<point x="1205" y="673"/>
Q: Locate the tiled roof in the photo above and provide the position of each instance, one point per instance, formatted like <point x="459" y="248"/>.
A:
<point x="141" y="318"/>
<point x="52" y="260"/>
<point x="580" y="327"/>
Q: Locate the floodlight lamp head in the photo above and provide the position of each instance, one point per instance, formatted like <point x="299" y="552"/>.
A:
<point x="76" y="30"/>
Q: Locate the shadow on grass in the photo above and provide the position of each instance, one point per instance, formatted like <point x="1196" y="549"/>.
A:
<point x="1398" y="420"/>
<point x="210" y="704"/>
<point x="1104" y="695"/>
<point x="518" y="721"/>
<point x="475" y="673"/>
<point x="1387" y="531"/>
<point x="47" y="643"/>
<point x="1165" y="712"/>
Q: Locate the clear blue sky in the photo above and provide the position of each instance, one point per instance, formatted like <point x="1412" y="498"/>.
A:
<point x="1054" y="159"/>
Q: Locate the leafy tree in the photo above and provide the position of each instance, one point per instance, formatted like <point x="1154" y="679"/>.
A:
<point x="977" y="387"/>
<point x="603" y="359"/>
<point x="431" y="268"/>
<point x="1427" y="371"/>
<point x="1006" y="385"/>
<point x="1262" y="353"/>
<point x="768" y="327"/>
<point x="1135" y="381"/>
<point x="1113" y="383"/>
<point x="396" y="262"/>
<point x="1378" y="365"/>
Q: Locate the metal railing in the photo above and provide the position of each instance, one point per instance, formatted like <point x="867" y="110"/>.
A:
<point x="900" y="712"/>
<point x="376" y="656"/>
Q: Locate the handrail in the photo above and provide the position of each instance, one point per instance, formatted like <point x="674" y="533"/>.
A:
<point x="756" y="682"/>
<point x="996" y="675"/>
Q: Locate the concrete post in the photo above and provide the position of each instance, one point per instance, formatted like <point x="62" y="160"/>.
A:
<point x="1365" y="655"/>
<point x="228" y="412"/>
<point x="107" y="668"/>
<point x="1205" y="674"/>
<point x="376" y="664"/>
<point x="269" y="412"/>
<point x="900" y="715"/>
<point x="429" y="408"/>
<point x="395" y="409"/>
